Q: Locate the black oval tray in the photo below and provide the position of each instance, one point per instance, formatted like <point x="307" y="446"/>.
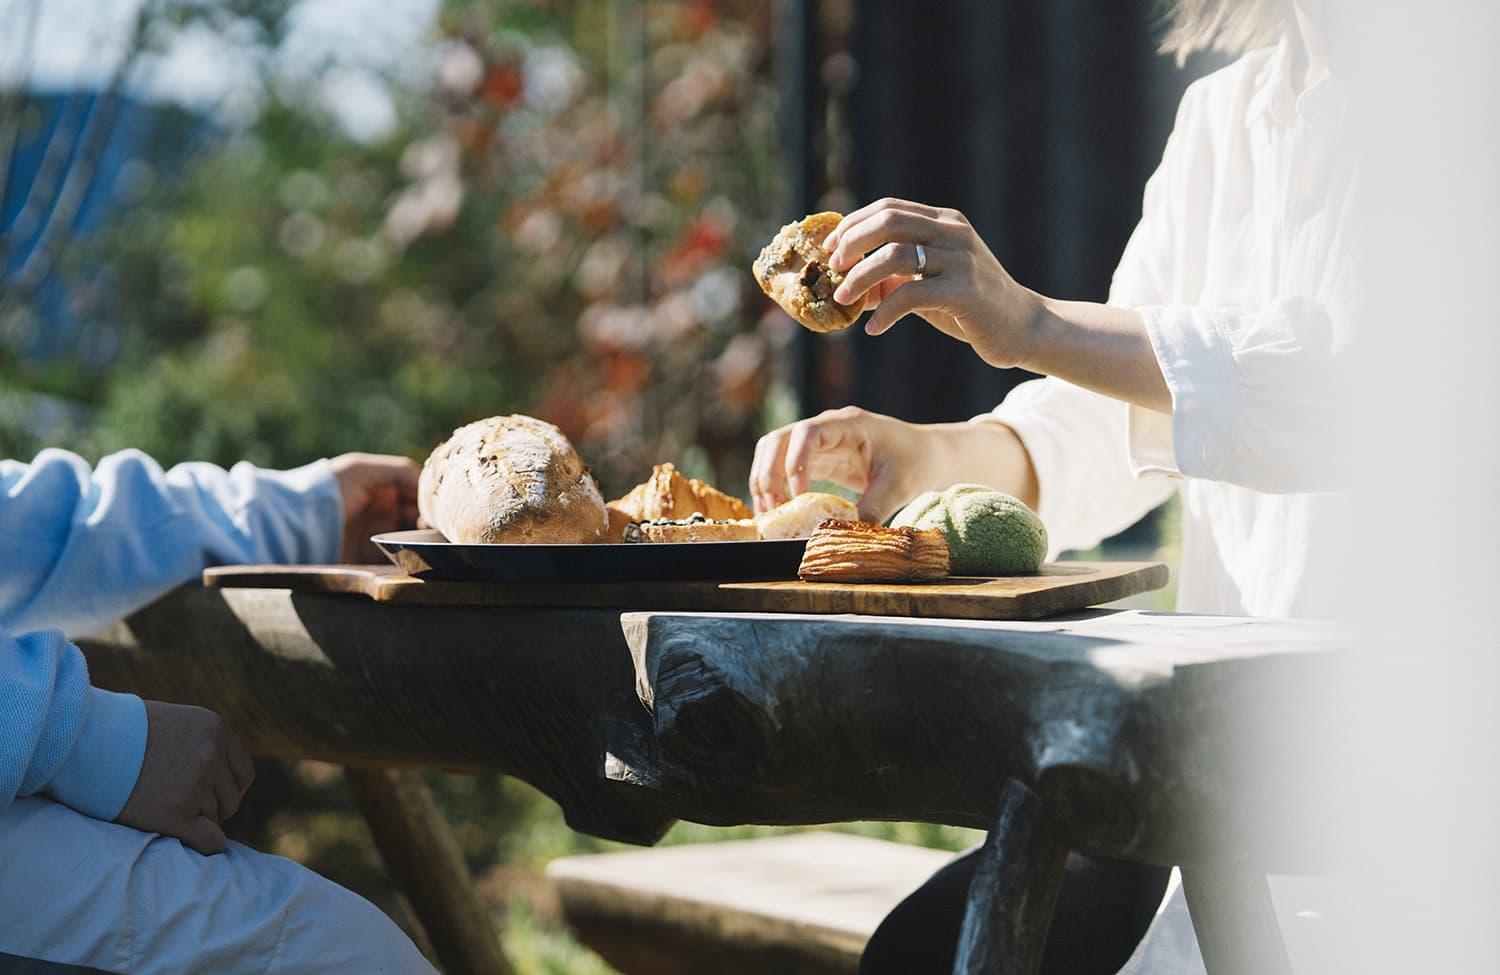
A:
<point x="427" y="555"/>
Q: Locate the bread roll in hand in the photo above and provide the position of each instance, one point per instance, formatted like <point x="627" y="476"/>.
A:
<point x="510" y="479"/>
<point x="793" y="269"/>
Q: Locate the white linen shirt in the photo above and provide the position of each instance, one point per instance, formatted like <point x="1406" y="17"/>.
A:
<point x="1241" y="267"/>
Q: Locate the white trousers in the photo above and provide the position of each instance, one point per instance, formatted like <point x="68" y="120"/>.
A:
<point x="1170" y="946"/>
<point x="81" y="892"/>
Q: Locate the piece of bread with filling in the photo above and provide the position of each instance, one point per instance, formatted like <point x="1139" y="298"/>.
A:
<point x="799" y="516"/>
<point x="695" y="529"/>
<point x="793" y="269"/>
<point x="669" y="496"/>
<point x="507" y="480"/>
<point x="859" y="551"/>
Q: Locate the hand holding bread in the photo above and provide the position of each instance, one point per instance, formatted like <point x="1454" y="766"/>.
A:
<point x="963" y="290"/>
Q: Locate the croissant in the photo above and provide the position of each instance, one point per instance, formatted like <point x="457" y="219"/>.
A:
<point x="668" y="495"/>
<point x="858" y="551"/>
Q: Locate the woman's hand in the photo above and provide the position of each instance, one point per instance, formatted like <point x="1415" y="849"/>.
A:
<point x="964" y="291"/>
<point x="874" y="455"/>
<point x="888" y="461"/>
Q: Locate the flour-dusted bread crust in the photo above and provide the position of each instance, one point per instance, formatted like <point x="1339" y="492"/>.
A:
<point x="858" y="551"/>
<point x="799" y="516"/>
<point x="510" y="479"/>
<point x="793" y="269"/>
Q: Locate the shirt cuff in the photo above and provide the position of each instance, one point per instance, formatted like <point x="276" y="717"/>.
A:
<point x="100" y="772"/>
<point x="1197" y="362"/>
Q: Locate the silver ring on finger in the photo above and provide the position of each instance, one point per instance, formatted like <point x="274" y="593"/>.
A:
<point x="921" y="262"/>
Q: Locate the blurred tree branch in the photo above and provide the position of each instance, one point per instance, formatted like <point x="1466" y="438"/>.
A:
<point x="12" y="100"/>
<point x="71" y="156"/>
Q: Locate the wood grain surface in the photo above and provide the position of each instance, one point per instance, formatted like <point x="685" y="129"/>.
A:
<point x="1059" y="587"/>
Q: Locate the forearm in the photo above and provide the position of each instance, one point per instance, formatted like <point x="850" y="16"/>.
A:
<point x="977" y="453"/>
<point x="78" y="744"/>
<point x="86" y="546"/>
<point x="1099" y="347"/>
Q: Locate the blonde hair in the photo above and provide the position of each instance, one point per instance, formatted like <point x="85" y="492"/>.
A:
<point x="1228" y="26"/>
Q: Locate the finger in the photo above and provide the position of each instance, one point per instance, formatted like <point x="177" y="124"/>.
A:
<point x="241" y="765"/>
<point x="226" y="796"/>
<point x="821" y="448"/>
<point x="879" y="500"/>
<point x="911" y="298"/>
<point x="204" y="835"/>
<point x="869" y="210"/>
<point x="767" y="477"/>
<point x="870" y="235"/>
<point x="890" y="261"/>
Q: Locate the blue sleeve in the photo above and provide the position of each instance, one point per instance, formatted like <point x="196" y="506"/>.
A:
<point x="82" y="548"/>
<point x="78" y="744"/>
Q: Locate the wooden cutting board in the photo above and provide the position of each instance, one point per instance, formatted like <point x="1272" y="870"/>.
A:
<point x="1059" y="587"/>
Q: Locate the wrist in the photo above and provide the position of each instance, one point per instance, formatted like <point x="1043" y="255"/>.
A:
<point x="1039" y="334"/>
<point x="100" y="771"/>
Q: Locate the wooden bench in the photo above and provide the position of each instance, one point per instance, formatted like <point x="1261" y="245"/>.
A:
<point x="799" y="904"/>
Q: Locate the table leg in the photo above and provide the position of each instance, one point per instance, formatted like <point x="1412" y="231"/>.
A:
<point x="1014" y="890"/>
<point x="1235" y="921"/>
<point x="424" y="860"/>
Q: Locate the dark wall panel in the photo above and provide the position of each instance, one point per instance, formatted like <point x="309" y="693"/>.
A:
<point x="1041" y="120"/>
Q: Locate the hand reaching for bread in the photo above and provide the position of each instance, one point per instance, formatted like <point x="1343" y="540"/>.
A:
<point x="879" y="457"/>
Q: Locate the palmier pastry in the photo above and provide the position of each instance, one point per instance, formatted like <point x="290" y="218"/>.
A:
<point x="695" y="529"/>
<point x="858" y="551"/>
<point x="793" y="269"/>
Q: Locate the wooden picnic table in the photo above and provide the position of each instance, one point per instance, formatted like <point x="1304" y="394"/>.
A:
<point x="1120" y="733"/>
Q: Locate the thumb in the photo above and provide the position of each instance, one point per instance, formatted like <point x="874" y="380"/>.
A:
<point x="204" y="835"/>
<point x="880" y="500"/>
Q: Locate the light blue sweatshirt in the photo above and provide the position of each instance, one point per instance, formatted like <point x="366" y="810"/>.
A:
<point x="80" y="548"/>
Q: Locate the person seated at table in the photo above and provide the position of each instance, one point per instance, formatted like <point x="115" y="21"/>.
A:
<point x="1211" y="372"/>
<point x="112" y="849"/>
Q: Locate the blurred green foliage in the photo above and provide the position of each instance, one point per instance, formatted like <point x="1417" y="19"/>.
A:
<point x="560" y="224"/>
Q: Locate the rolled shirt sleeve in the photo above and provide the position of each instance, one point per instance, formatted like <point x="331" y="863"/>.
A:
<point x="1256" y="396"/>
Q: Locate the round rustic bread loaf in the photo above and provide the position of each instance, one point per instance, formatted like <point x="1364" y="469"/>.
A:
<point x="510" y="479"/>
